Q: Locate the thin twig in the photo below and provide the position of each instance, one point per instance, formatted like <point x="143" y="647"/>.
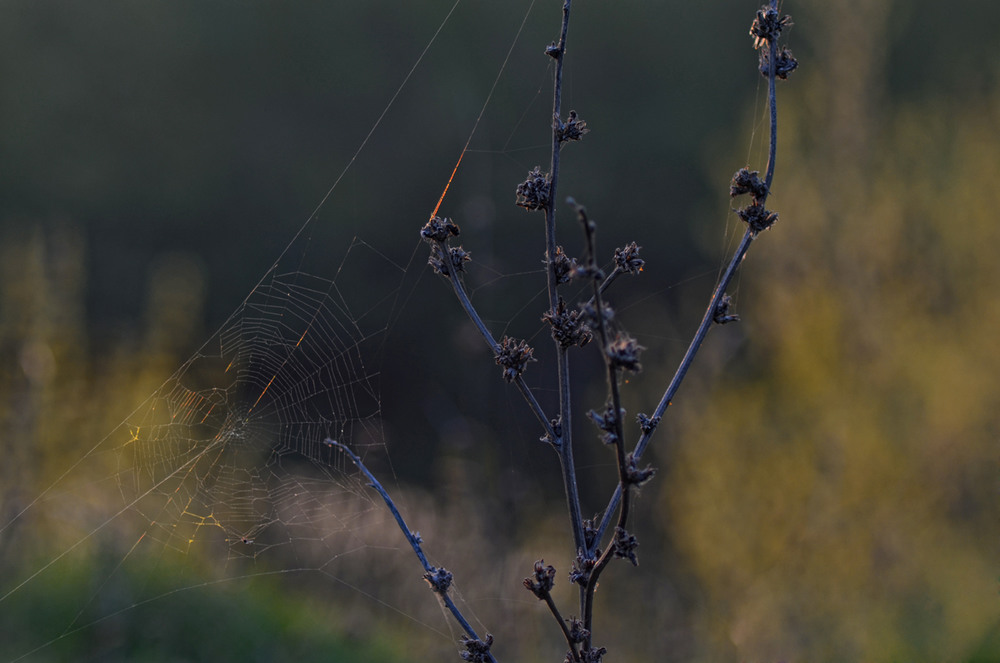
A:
<point x="614" y="412"/>
<point x="470" y="310"/>
<point x="710" y="313"/>
<point x="414" y="540"/>
<point x="562" y="625"/>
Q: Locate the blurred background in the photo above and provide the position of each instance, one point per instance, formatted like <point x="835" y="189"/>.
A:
<point x="828" y="485"/>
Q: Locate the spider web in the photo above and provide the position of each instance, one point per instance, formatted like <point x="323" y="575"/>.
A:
<point x="226" y="464"/>
<point x="234" y="443"/>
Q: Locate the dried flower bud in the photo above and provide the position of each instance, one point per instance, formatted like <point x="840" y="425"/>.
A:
<point x="634" y="475"/>
<point x="624" y="546"/>
<point x="589" y="311"/>
<point x="533" y="193"/>
<point x="564" y="267"/>
<point x="722" y="308"/>
<point x="582" y="567"/>
<point x="623" y="352"/>
<point x="477" y="651"/>
<point x="513" y="357"/>
<point x="577" y="633"/>
<point x="439" y="580"/>
<point x="439" y="230"/>
<point x="784" y="63"/>
<point x="767" y="26"/>
<point x="627" y="259"/>
<point x="543" y="580"/>
<point x="573" y="129"/>
<point x="748" y="181"/>
<point x="457" y="257"/>
<point x="567" y="326"/>
<point x="593" y="655"/>
<point x="646" y="423"/>
<point x="607" y="421"/>
<point x="758" y="218"/>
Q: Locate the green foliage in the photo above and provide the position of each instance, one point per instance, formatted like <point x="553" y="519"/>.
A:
<point x="190" y="621"/>
<point x="836" y="496"/>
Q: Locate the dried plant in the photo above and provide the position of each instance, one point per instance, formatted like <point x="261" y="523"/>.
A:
<point x="591" y="324"/>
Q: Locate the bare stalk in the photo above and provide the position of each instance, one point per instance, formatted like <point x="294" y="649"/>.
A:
<point x="611" y="420"/>
<point x="470" y="310"/>
<point x="438" y="578"/>
<point x="565" y="432"/>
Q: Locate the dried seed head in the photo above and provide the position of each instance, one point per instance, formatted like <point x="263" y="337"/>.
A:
<point x="513" y="357"/>
<point x="582" y="567"/>
<point x="748" y="181"/>
<point x="567" y="327"/>
<point x="589" y="311"/>
<point x="533" y="193"/>
<point x="627" y="259"/>
<point x="439" y="580"/>
<point x="722" y="308"/>
<point x="542" y="581"/>
<point x="758" y="218"/>
<point x="607" y="421"/>
<point x="634" y="475"/>
<point x="767" y="26"/>
<point x="624" y="546"/>
<point x="623" y="352"/>
<point x="646" y="423"/>
<point x="573" y="129"/>
<point x="577" y="633"/>
<point x="439" y="230"/>
<point x="784" y="63"/>
<point x="477" y="651"/>
<point x="564" y="267"/>
<point x="457" y="257"/>
<point x="593" y="655"/>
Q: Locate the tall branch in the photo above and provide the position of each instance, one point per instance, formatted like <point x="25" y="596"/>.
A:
<point x="766" y="29"/>
<point x="565" y="432"/>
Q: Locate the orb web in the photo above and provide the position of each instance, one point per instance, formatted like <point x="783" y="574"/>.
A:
<point x="232" y="449"/>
